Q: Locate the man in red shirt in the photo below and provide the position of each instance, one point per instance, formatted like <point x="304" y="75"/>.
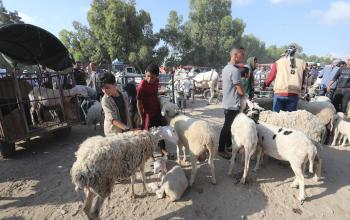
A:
<point x="148" y="104"/>
<point x="289" y="75"/>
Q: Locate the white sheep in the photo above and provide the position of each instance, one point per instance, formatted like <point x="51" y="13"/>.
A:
<point x="40" y="97"/>
<point x="342" y="128"/>
<point x="348" y="110"/>
<point x="325" y="111"/>
<point x="292" y="146"/>
<point x="244" y="135"/>
<point x="168" y="108"/>
<point x="173" y="184"/>
<point x="340" y="116"/>
<point x="95" y="115"/>
<point x="321" y="99"/>
<point x="198" y="137"/>
<point x="300" y="120"/>
<point x="103" y="160"/>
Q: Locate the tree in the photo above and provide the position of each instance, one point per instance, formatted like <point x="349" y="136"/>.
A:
<point x="208" y="36"/>
<point x="8" y="17"/>
<point x="173" y="36"/>
<point x="126" y="33"/>
<point x="254" y="47"/>
<point x="83" y="45"/>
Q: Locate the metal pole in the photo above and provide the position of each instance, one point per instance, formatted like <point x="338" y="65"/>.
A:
<point x="19" y="99"/>
<point x="172" y="88"/>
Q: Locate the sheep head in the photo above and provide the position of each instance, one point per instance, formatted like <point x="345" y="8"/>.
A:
<point x="165" y="133"/>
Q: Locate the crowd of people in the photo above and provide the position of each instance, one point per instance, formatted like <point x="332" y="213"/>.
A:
<point x="290" y="76"/>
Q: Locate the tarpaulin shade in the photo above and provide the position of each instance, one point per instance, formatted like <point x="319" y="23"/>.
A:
<point x="32" y="45"/>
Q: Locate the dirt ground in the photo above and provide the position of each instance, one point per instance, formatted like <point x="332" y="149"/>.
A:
<point x="35" y="184"/>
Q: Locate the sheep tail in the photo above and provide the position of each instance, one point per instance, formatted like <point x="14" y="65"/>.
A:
<point x="318" y="145"/>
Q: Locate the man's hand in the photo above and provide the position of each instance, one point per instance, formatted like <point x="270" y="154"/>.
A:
<point x="328" y="88"/>
<point x="142" y="121"/>
<point x="126" y="128"/>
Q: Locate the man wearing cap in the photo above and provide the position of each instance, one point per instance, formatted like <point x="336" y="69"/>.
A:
<point x="327" y="75"/>
<point x="289" y="74"/>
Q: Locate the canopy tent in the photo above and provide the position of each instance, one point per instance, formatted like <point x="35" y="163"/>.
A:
<point x="32" y="45"/>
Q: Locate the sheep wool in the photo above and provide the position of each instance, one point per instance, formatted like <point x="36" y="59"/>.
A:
<point x="174" y="183"/>
<point x="300" y="120"/>
<point x="325" y="111"/>
<point x="102" y="160"/>
<point x="95" y="115"/>
<point x="198" y="137"/>
<point x="292" y="146"/>
<point x="244" y="135"/>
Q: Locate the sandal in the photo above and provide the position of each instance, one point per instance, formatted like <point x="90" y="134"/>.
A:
<point x="224" y="155"/>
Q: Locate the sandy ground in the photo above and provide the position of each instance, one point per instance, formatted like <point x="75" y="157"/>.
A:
<point x="35" y="184"/>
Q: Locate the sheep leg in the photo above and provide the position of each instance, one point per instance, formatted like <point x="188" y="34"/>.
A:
<point x="212" y="167"/>
<point x="184" y="154"/>
<point x="318" y="163"/>
<point x="142" y="170"/>
<point x="248" y="155"/>
<point x="259" y="153"/>
<point x="132" y="178"/>
<point x="97" y="207"/>
<point x="178" y="154"/>
<point x="32" y="112"/>
<point x="88" y="203"/>
<point x="344" y="140"/>
<point x="194" y="169"/>
<point x="38" y="113"/>
<point x="300" y="177"/>
<point x="336" y="133"/>
<point x="232" y="163"/>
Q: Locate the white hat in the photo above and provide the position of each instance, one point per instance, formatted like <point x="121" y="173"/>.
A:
<point x="336" y="61"/>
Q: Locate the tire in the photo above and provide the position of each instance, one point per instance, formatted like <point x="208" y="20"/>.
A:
<point x="7" y="149"/>
<point x="63" y="132"/>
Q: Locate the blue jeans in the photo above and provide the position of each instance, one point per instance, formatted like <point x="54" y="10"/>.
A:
<point x="285" y="103"/>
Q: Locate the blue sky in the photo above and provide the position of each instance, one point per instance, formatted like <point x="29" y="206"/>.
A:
<point x="321" y="27"/>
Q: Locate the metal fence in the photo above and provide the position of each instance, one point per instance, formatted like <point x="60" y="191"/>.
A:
<point x="32" y="103"/>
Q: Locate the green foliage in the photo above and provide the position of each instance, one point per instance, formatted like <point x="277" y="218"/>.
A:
<point x="83" y="45"/>
<point x="126" y="33"/>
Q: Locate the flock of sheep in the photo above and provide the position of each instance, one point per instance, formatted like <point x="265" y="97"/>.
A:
<point x="296" y="137"/>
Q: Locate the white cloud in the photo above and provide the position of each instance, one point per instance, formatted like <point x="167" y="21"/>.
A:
<point x="26" y="18"/>
<point x="241" y="2"/>
<point x="288" y="1"/>
<point x="338" y="13"/>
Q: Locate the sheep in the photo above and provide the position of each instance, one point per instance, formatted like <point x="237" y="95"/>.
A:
<point x="244" y="135"/>
<point x="198" y="137"/>
<point x="95" y="115"/>
<point x="40" y="97"/>
<point x="292" y="146"/>
<point x="340" y="116"/>
<point x="168" y="108"/>
<point x="348" y="110"/>
<point x="173" y="184"/>
<point x="324" y="110"/>
<point x="321" y="99"/>
<point x="342" y="128"/>
<point x="103" y="160"/>
<point x="300" y="120"/>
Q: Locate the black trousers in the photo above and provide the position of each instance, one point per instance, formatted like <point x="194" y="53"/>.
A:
<point x="341" y="98"/>
<point x="225" y="134"/>
<point x="156" y="121"/>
